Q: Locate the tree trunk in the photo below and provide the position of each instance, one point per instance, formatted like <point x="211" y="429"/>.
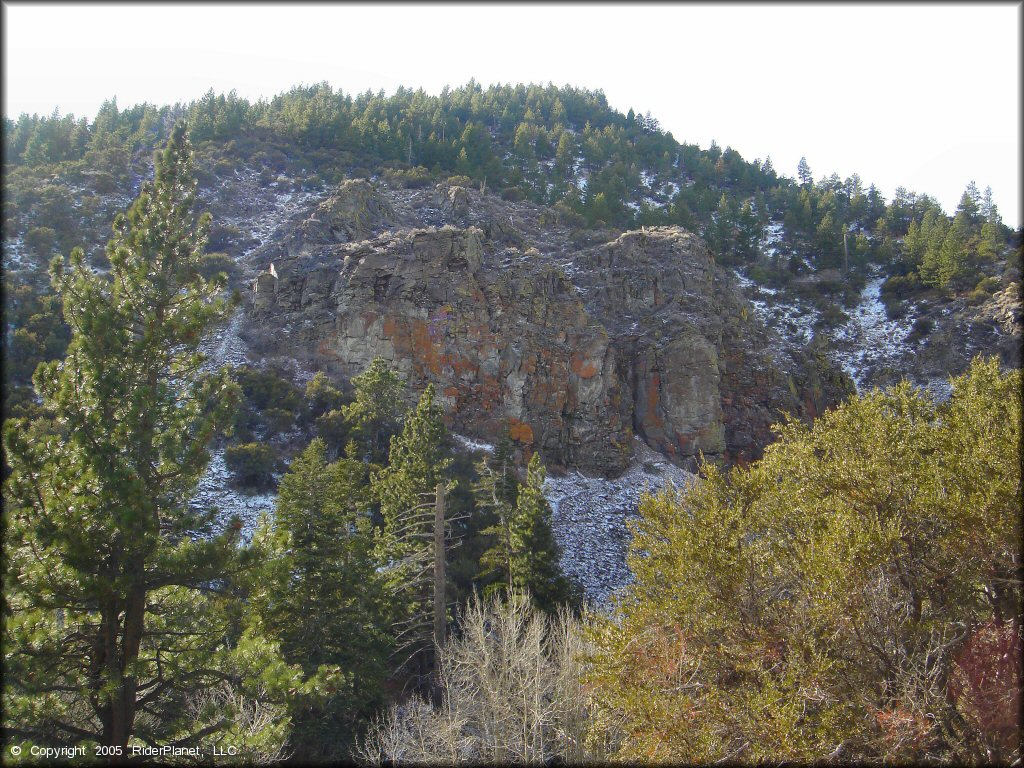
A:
<point x="439" y="592"/>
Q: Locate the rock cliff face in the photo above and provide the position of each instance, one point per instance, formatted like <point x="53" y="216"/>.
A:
<point x="574" y="352"/>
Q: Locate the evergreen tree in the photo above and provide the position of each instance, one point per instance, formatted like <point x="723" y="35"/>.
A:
<point x="970" y="203"/>
<point x="914" y="245"/>
<point x="535" y="555"/>
<point x="376" y="413"/>
<point x="405" y="489"/>
<point x="803" y="173"/>
<point x="989" y="211"/>
<point x="320" y="593"/>
<point x="934" y="228"/>
<point x="748" y="231"/>
<point x="953" y="265"/>
<point x="496" y="493"/>
<point x="992" y="241"/>
<point x="115" y="629"/>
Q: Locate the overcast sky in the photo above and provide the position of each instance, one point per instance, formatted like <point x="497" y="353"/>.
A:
<point x="924" y="96"/>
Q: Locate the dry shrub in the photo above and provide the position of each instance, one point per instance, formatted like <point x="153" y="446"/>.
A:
<point x="986" y="687"/>
<point x="510" y="693"/>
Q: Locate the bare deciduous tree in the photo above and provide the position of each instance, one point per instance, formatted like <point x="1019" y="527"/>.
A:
<point x="510" y="693"/>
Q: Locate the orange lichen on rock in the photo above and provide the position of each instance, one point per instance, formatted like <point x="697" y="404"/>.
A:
<point x="520" y="431"/>
<point x="324" y="349"/>
<point x="583" y="367"/>
<point x="423" y="349"/>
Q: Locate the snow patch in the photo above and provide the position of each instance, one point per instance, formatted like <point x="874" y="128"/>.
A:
<point x="870" y="338"/>
<point x="224" y="346"/>
<point x="214" y="491"/>
<point x="472" y="445"/>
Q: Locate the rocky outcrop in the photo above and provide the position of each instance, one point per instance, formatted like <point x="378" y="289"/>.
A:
<point x="357" y="210"/>
<point x="643" y="335"/>
<point x="505" y="348"/>
<point x="701" y="374"/>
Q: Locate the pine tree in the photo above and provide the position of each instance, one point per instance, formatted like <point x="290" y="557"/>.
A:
<point x="953" y="262"/>
<point x="803" y="172"/>
<point x="934" y="228"/>
<point x="992" y="241"/>
<point x="535" y="555"/>
<point x="914" y="245"/>
<point x="989" y="211"/>
<point x="375" y="414"/>
<point x="496" y="493"/>
<point x="970" y="203"/>
<point x="405" y="488"/>
<point x="748" y="231"/>
<point x="114" y="626"/>
<point x="320" y="593"/>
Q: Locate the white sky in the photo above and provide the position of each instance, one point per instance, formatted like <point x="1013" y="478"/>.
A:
<point x="924" y="96"/>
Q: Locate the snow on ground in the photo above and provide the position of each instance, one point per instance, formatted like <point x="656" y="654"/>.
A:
<point x="870" y="338"/>
<point x="569" y="268"/>
<point x="472" y="445"/>
<point x="773" y="234"/>
<point x="580" y="173"/>
<point x="213" y="491"/>
<point x="794" y="319"/>
<point x="589" y="519"/>
<point x="14" y="252"/>
<point x="224" y="346"/>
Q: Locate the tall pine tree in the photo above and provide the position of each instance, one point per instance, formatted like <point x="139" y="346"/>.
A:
<point x="535" y="553"/>
<point x="405" y="489"/>
<point x="114" y="627"/>
<point x="320" y="594"/>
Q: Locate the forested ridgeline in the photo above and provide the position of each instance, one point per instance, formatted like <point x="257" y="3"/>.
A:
<point x="563" y="147"/>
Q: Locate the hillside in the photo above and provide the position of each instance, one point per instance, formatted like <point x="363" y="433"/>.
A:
<point x="808" y="247"/>
<point x="570" y="302"/>
<point x="387" y="433"/>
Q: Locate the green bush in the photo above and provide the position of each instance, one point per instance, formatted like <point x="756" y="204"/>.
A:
<point x="213" y="264"/>
<point x="224" y="168"/>
<point x="41" y="241"/>
<point x="103" y="183"/>
<point x="252" y="464"/>
<point x="833" y="315"/>
<point x="413" y="178"/>
<point x="278" y="421"/>
<point x="902" y="286"/>
<point x="264" y="390"/>
<point x="322" y="396"/>
<point x="222" y="237"/>
<point x="921" y="328"/>
<point x="988" y="285"/>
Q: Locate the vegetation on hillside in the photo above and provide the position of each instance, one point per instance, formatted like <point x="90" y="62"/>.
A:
<point x="855" y="594"/>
